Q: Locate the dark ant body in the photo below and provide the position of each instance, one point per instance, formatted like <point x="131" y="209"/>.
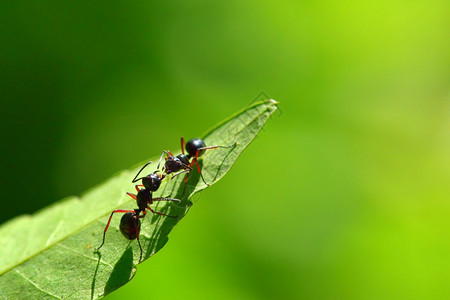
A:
<point x="183" y="163"/>
<point x="130" y="225"/>
<point x="151" y="181"/>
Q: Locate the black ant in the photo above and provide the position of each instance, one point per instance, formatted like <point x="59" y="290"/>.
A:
<point x="181" y="163"/>
<point x="130" y="225"/>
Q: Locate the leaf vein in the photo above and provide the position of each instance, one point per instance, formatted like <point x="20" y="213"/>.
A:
<point x="54" y="232"/>
<point x="35" y="285"/>
<point x="84" y="255"/>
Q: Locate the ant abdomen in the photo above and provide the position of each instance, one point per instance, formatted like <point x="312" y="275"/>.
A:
<point x="130" y="226"/>
<point x="193" y="145"/>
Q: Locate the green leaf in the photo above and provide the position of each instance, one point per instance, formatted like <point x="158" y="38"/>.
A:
<point x="51" y="254"/>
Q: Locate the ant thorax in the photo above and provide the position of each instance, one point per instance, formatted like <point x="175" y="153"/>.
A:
<point x="143" y="198"/>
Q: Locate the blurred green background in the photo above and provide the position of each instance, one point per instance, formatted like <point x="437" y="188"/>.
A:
<point x="345" y="194"/>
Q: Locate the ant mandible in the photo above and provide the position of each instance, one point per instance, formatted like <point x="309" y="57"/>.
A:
<point x="181" y="163"/>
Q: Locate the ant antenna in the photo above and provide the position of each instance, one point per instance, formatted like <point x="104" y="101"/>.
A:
<point x="134" y="180"/>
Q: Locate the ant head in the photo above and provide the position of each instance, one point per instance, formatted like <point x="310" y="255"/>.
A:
<point x="193" y="145"/>
<point x="176" y="163"/>
<point x="152" y="181"/>
<point x="143" y="198"/>
<point x="130" y="225"/>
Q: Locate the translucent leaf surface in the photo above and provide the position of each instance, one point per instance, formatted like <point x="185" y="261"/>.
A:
<point x="50" y="254"/>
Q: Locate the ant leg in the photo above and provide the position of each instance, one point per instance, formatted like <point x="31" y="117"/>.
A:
<point x="109" y="221"/>
<point x="187" y="177"/>
<point x="132" y="195"/>
<point x="134" y="180"/>
<point x="137" y="187"/>
<point x="230" y="146"/>
<point x="201" y="175"/>
<point x="159" y="213"/>
<point x="167" y="152"/>
<point x="140" y="247"/>
<point x="199" y="171"/>
<point x="218" y="146"/>
<point x="212" y="147"/>
<point x="181" y="172"/>
<point x="187" y="170"/>
<point x="166" y="199"/>
<point x="137" y="236"/>
<point x="160" y="159"/>
<point x="182" y="145"/>
<point x="195" y="160"/>
<point x="198" y="166"/>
